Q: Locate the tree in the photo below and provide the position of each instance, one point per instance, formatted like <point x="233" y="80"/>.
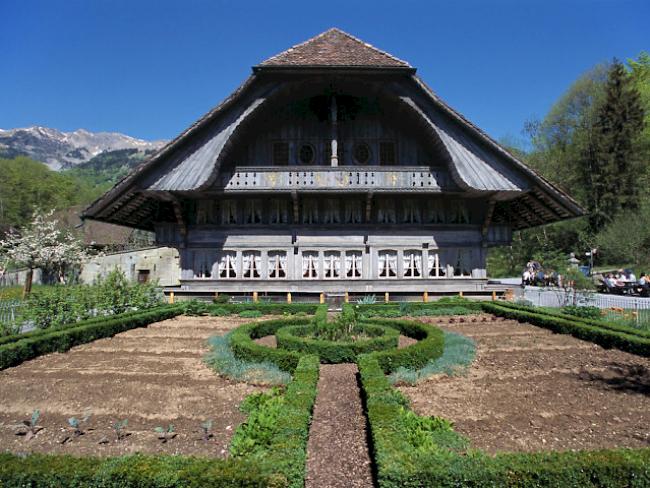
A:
<point x="608" y="163"/>
<point x="43" y="244"/>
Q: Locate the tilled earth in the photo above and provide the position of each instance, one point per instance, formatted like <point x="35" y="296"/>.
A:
<point x="532" y="390"/>
<point x="152" y="376"/>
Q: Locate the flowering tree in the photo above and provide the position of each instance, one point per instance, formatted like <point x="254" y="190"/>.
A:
<point x="43" y="244"/>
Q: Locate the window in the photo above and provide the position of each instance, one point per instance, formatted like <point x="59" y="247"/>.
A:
<point x="310" y="211"/>
<point x="332" y="264"/>
<point x="411" y="212"/>
<point x="252" y="264"/>
<point x="280" y="153"/>
<point x="278" y="212"/>
<point x="362" y="153"/>
<point x="277" y="264"/>
<point x="353" y="263"/>
<point x="463" y="263"/>
<point x="332" y="214"/>
<point x="307" y="154"/>
<point x="386" y="212"/>
<point x="202" y="264"/>
<point x="386" y="153"/>
<point x="458" y="213"/>
<point x="228" y="265"/>
<point x="253" y="212"/>
<point x="310" y="264"/>
<point x="229" y="212"/>
<point x="353" y="212"/>
<point x="436" y="268"/>
<point x="412" y="264"/>
<point x="387" y="264"/>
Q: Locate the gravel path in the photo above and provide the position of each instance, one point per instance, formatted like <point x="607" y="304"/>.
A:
<point x="337" y="452"/>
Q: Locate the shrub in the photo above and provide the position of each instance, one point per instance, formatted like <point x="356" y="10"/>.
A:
<point x="224" y="362"/>
<point x="195" y="308"/>
<point x="221" y="298"/>
<point x="218" y="312"/>
<point x="603" y="335"/>
<point x="295" y="338"/>
<point x="60" y="340"/>
<point x="250" y="314"/>
<point x="459" y="352"/>
<point x="430" y="345"/>
<point x="583" y="312"/>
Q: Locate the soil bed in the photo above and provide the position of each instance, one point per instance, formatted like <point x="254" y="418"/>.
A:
<point x="152" y="376"/>
<point x="337" y="452"/>
<point x="532" y="390"/>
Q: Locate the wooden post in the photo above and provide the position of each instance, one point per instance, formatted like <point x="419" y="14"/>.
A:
<point x="321" y="299"/>
<point x="347" y="297"/>
<point x="460" y="294"/>
<point x="216" y="296"/>
<point x="255" y="297"/>
<point x="494" y="295"/>
<point x="386" y="297"/>
<point x="289" y="297"/>
<point x="425" y="297"/>
<point x="171" y="297"/>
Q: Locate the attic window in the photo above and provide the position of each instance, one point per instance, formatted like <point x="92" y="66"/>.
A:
<point x="306" y="154"/>
<point x="386" y="153"/>
<point x="280" y="153"/>
<point x="362" y="153"/>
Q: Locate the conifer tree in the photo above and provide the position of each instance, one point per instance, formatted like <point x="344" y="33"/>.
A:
<point x="609" y="165"/>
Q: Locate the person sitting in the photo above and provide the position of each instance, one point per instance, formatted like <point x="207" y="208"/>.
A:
<point x="643" y="285"/>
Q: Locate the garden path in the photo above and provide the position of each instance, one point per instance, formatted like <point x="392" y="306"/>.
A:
<point x="337" y="452"/>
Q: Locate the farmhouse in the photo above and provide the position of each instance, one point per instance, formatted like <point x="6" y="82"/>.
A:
<point x="333" y="168"/>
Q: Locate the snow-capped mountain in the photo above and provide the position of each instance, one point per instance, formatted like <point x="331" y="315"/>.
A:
<point x="61" y="150"/>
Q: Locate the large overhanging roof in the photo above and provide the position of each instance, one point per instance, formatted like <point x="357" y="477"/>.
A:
<point x="478" y="164"/>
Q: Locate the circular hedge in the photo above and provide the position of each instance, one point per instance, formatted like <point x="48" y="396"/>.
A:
<point x="294" y="338"/>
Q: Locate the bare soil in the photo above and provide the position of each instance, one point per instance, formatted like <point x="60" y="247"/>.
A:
<point x="337" y="452"/>
<point x="152" y="376"/>
<point x="532" y="390"/>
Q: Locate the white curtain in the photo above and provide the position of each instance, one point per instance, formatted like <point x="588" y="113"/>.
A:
<point x="352" y="212"/>
<point x="392" y="264"/>
<point x="305" y="265"/>
<point x="433" y="264"/>
<point x="418" y="263"/>
<point x="358" y="259"/>
<point x="337" y="265"/>
<point x="283" y="262"/>
<point x="248" y="261"/>
<point x="348" y="263"/>
<point x="327" y="265"/>
<point x="382" y="264"/>
<point x="223" y="263"/>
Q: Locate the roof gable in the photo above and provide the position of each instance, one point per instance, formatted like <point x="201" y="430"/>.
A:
<point x="333" y="48"/>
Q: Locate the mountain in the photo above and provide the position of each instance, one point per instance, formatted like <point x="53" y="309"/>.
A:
<point x="105" y="169"/>
<point x="62" y="150"/>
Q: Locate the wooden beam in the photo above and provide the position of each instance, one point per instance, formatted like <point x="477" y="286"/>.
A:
<point x="488" y="217"/>
<point x="369" y="207"/>
<point x="296" y="207"/>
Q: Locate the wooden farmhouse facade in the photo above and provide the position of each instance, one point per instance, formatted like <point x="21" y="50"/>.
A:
<point x="333" y="168"/>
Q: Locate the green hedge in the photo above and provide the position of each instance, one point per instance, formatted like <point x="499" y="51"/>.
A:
<point x="60" y="340"/>
<point x="268" y="308"/>
<point x="626" y="329"/>
<point x="245" y="348"/>
<point x="604" y="337"/>
<point x="430" y="345"/>
<point x="451" y="303"/>
<point x="331" y="352"/>
<point x="48" y="330"/>
<point x="278" y="463"/>
<point x="407" y="457"/>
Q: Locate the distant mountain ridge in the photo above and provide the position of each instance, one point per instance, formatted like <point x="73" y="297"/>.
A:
<point x="63" y="150"/>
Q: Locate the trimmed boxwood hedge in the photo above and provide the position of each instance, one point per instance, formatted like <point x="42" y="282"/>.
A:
<point x="281" y="463"/>
<point x="597" y="323"/>
<point x="94" y="320"/>
<point x="60" y="340"/>
<point x="245" y="348"/>
<point x="380" y="309"/>
<point x="267" y="308"/>
<point x="604" y="337"/>
<point x="293" y="338"/>
<point x="430" y="345"/>
<point x="401" y="464"/>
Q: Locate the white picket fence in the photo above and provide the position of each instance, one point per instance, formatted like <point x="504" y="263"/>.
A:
<point x="558" y="297"/>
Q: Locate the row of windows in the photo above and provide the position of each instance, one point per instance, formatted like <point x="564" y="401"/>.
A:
<point x="330" y="211"/>
<point x="306" y="153"/>
<point x="331" y="264"/>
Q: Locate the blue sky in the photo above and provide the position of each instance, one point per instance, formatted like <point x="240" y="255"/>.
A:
<point x="150" y="68"/>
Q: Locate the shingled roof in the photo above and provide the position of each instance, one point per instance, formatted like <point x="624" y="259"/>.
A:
<point x="334" y="48"/>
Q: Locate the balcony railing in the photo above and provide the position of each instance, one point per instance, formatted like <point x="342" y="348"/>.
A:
<point x="341" y="178"/>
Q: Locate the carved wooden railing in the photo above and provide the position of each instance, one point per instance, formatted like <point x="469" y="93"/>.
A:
<point x="341" y="178"/>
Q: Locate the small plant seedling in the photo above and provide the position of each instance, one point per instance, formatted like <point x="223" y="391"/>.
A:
<point x="32" y="425"/>
<point x="206" y="428"/>
<point x="120" y="429"/>
<point x="165" y="435"/>
<point x="77" y="424"/>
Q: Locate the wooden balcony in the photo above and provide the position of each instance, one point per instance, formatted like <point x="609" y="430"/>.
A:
<point x="336" y="179"/>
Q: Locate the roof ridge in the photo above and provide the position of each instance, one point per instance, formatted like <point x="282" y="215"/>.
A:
<point x="298" y="50"/>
